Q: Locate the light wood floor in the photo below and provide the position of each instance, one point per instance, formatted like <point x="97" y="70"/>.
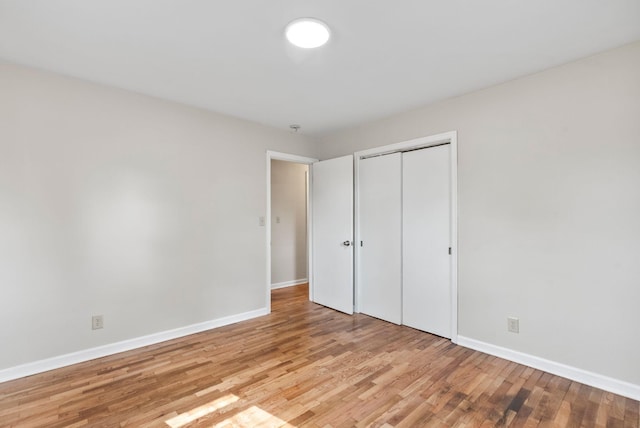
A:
<point x="307" y="366"/>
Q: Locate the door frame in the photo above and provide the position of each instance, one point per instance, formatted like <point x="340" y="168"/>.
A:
<point x="273" y="155"/>
<point x="417" y="143"/>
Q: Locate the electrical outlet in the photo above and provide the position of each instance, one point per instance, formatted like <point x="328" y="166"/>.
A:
<point x="513" y="325"/>
<point x="97" y="322"/>
<point x="261" y="221"/>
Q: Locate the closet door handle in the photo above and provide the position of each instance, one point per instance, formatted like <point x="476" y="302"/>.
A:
<point x="346" y="243"/>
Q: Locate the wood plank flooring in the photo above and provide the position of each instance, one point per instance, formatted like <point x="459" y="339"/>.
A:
<point x="307" y="366"/>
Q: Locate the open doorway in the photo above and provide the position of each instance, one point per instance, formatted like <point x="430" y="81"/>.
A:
<point x="288" y="222"/>
<point x="289" y="203"/>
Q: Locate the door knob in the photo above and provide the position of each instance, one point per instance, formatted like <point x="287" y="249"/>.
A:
<point x="346" y="243"/>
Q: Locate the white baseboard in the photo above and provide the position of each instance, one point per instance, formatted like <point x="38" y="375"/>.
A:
<point x="126" y="345"/>
<point x="583" y="376"/>
<point x="289" y="283"/>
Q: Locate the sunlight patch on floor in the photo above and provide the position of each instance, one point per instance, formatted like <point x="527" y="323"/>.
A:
<point x="206" y="409"/>
<point x="253" y="417"/>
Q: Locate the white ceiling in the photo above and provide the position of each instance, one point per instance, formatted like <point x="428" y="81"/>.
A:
<point x="384" y="57"/>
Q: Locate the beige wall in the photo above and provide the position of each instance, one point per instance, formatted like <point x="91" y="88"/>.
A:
<point x="549" y="208"/>
<point x="118" y="204"/>
<point x="147" y="211"/>
<point x="289" y="235"/>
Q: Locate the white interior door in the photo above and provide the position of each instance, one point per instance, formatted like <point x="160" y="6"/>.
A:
<point x="332" y="209"/>
<point x="426" y="294"/>
<point x="380" y="203"/>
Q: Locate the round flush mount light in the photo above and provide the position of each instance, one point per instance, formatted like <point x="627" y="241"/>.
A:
<point x="307" y="33"/>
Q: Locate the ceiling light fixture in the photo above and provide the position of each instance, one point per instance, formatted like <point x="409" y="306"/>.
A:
<point x="307" y="33"/>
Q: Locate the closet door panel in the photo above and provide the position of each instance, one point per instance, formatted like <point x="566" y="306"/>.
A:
<point x="426" y="293"/>
<point x="380" y="202"/>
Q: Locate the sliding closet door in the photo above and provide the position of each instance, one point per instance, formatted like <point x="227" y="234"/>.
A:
<point x="426" y="294"/>
<point x="380" y="198"/>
